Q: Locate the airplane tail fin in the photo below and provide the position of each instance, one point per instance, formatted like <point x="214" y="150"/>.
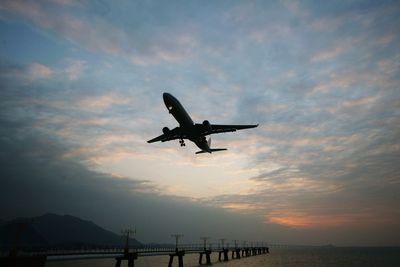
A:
<point x="211" y="150"/>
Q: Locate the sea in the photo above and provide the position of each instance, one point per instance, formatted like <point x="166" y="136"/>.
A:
<point x="285" y="257"/>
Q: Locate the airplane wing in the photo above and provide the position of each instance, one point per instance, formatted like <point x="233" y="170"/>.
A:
<point x="171" y="135"/>
<point x="219" y="128"/>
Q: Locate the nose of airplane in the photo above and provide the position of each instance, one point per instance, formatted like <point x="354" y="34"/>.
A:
<point x="166" y="96"/>
<point x="168" y="100"/>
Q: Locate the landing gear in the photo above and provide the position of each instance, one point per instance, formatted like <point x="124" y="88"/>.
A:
<point x="182" y="142"/>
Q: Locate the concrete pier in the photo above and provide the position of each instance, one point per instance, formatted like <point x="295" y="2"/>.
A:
<point x="180" y="255"/>
<point x="132" y="254"/>
<point x="236" y="253"/>
<point x="130" y="257"/>
<point x="208" y="257"/>
<point x="223" y="252"/>
<point x="246" y="252"/>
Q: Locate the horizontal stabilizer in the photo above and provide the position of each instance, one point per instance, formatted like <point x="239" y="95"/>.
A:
<point x="211" y="150"/>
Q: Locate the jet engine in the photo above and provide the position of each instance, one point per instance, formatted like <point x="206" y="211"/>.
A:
<point x="207" y="124"/>
<point x="166" y="130"/>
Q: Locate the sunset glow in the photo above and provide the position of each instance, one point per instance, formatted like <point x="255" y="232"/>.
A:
<point x="81" y="93"/>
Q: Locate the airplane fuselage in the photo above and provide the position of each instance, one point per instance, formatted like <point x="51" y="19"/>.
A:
<point x="195" y="132"/>
<point x="185" y="121"/>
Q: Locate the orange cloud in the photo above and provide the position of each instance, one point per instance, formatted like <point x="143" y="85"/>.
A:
<point x="242" y="206"/>
<point x="304" y="220"/>
<point x="310" y="221"/>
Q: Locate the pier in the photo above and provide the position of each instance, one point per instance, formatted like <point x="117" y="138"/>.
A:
<point x="129" y="253"/>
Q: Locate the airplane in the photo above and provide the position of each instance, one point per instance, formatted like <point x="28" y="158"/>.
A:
<point x="195" y="132"/>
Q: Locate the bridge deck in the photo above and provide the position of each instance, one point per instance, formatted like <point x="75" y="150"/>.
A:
<point x="63" y="254"/>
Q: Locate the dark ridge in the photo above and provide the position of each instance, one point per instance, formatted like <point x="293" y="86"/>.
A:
<point x="20" y="234"/>
<point x="54" y="230"/>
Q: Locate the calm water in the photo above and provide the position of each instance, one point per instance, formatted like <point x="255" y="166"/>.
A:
<point x="310" y="257"/>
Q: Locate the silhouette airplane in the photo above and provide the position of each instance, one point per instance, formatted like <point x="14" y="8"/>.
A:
<point x="195" y="132"/>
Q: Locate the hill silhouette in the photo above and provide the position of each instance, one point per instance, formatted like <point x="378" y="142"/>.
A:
<point x="53" y="230"/>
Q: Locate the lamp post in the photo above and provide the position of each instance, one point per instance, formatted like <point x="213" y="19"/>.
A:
<point x="222" y="242"/>
<point x="127" y="232"/>
<point x="177" y="237"/>
<point x="204" y="238"/>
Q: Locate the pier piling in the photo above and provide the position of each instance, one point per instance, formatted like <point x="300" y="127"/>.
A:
<point x="236" y="253"/>
<point x="208" y="257"/>
<point x="130" y="257"/>
<point x="180" y="255"/>
<point x="223" y="252"/>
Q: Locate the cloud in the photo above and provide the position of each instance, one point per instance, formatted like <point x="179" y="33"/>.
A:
<point x="325" y="24"/>
<point x="98" y="34"/>
<point x="386" y="39"/>
<point x="323" y="173"/>
<point x="296" y="8"/>
<point x="75" y="69"/>
<point x="102" y="38"/>
<point x="364" y="101"/>
<point x="270" y="33"/>
<point x="38" y="171"/>
<point x="340" y="48"/>
<point x="321" y="80"/>
<point x="38" y="71"/>
<point x="102" y="102"/>
<point x="30" y="73"/>
<point x="176" y="48"/>
<point x="298" y="220"/>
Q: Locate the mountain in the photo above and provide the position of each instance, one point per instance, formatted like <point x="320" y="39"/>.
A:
<point x="56" y="230"/>
<point x="21" y="234"/>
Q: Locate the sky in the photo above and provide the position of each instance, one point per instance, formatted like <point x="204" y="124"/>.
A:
<point x="81" y="86"/>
